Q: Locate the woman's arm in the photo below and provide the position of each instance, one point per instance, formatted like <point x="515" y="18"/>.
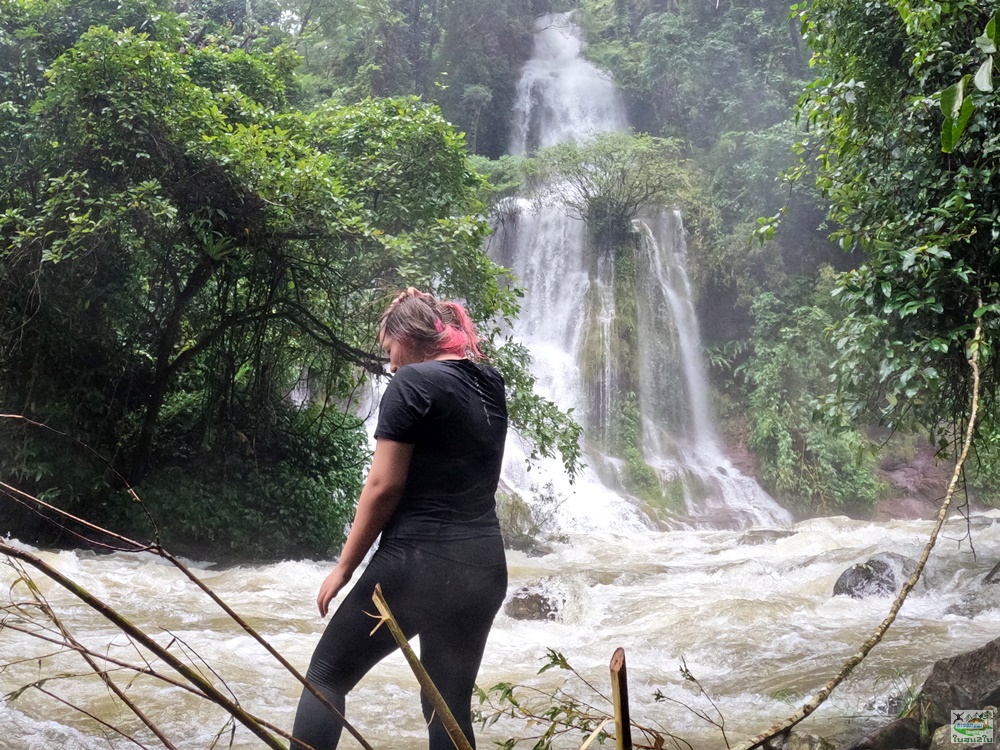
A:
<point x="379" y="498"/>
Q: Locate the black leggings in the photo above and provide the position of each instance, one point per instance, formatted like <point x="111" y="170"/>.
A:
<point x="447" y="593"/>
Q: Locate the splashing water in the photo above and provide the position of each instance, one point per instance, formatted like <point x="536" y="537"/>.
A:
<point x="561" y="97"/>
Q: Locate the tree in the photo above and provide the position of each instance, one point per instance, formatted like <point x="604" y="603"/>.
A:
<point x="926" y="220"/>
<point x="607" y="181"/>
<point x="811" y="465"/>
<point x="193" y="270"/>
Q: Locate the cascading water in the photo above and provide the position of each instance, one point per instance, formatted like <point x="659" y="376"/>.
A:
<point x="716" y="492"/>
<point x="753" y="620"/>
<point x="569" y="322"/>
<point x="561" y="97"/>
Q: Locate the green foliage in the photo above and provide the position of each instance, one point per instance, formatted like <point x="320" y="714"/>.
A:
<point x="699" y="70"/>
<point x="549" y="429"/>
<point x="983" y="468"/>
<point x="955" y="106"/>
<point x="926" y="220"/>
<point x="182" y="248"/>
<point x="607" y="181"/>
<point x="548" y="715"/>
<point x="291" y="493"/>
<point x="483" y="46"/>
<point x="803" y="460"/>
<point x="466" y="55"/>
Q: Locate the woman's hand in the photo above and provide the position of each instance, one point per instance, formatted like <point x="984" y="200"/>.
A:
<point x="330" y="587"/>
<point x="379" y="498"/>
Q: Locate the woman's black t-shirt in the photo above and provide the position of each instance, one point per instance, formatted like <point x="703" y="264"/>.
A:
<point x="454" y="412"/>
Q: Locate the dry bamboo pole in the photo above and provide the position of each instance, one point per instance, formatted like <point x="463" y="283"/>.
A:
<point x="619" y="699"/>
<point x="820" y="697"/>
<point x="156" y="548"/>
<point x="191" y="675"/>
<point x="458" y="737"/>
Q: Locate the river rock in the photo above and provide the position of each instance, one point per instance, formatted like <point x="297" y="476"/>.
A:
<point x="994" y="575"/>
<point x="896" y="735"/>
<point x="753" y="537"/>
<point x="529" y="545"/>
<point x="804" y="741"/>
<point x="881" y="575"/>
<point x="533" y="603"/>
<point x="871" y="578"/>
<point x="967" y="681"/>
<point x="942" y="740"/>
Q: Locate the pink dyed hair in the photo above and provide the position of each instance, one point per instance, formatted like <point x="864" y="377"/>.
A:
<point x="431" y="327"/>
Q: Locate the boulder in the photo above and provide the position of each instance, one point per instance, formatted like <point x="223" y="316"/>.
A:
<point x="803" y="741"/>
<point x="881" y="575"/>
<point x="896" y="735"/>
<point x="529" y="545"/>
<point x="942" y="740"/>
<point x="871" y="578"/>
<point x="533" y="603"/>
<point x="967" y="681"/>
<point x="753" y="537"/>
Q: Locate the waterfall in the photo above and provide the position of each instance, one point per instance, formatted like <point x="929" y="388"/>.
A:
<point x="561" y="97"/>
<point x="649" y="431"/>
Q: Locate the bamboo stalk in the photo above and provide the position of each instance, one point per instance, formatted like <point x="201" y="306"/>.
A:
<point x="820" y="697"/>
<point x="427" y="685"/>
<point x="619" y="696"/>
<point x="211" y="692"/>
<point x="156" y="548"/>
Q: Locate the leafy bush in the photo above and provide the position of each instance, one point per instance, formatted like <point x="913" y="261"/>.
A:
<point x="805" y="461"/>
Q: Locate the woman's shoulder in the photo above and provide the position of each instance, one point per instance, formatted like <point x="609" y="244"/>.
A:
<point x="445" y="370"/>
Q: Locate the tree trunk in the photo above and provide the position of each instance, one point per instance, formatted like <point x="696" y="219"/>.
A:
<point x="138" y="465"/>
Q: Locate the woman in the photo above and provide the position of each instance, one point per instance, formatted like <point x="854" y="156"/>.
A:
<point x="431" y="493"/>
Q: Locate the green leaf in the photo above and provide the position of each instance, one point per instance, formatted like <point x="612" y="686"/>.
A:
<point x="984" y="76"/>
<point x="958" y="109"/>
<point x="989" y="42"/>
<point x="952" y="97"/>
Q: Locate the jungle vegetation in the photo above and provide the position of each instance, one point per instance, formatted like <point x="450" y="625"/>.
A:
<point x="203" y="204"/>
<point x="195" y="253"/>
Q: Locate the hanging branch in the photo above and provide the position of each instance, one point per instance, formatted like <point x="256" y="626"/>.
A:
<point x="820" y="697"/>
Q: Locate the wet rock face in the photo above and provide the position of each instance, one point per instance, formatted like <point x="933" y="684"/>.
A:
<point x="803" y="741"/>
<point x="533" y="603"/>
<point x="881" y="575"/>
<point x="967" y="681"/>
<point x="871" y="578"/>
<point x="902" y="733"/>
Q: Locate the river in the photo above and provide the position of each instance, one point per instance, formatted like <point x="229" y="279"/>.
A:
<point x="756" y="624"/>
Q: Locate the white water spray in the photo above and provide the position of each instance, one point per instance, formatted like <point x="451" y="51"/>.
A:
<point x="561" y="97"/>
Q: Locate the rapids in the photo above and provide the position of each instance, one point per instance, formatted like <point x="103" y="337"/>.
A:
<point x="756" y="624"/>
